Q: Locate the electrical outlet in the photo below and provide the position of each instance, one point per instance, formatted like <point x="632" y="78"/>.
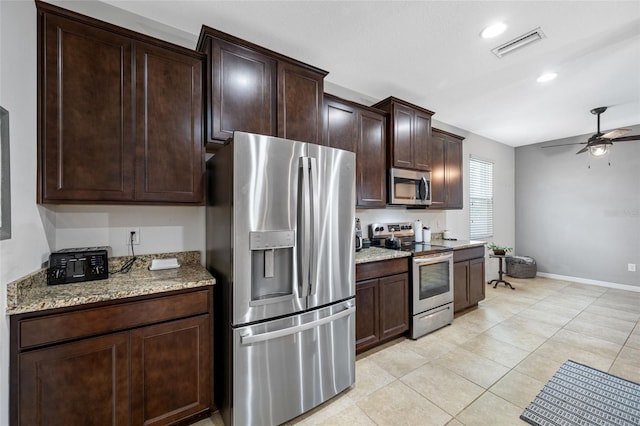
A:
<point x="136" y="236"/>
<point x="631" y="267"/>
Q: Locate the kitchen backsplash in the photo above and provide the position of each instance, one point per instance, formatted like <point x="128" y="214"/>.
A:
<point x="435" y="220"/>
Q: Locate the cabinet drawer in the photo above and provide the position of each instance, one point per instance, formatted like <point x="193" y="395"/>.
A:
<point x="383" y="268"/>
<point x="468" y="253"/>
<point x="94" y="321"/>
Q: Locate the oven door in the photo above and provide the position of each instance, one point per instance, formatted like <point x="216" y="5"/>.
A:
<point x="432" y="281"/>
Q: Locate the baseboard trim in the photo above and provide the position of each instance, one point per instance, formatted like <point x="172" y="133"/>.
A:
<point x="590" y="282"/>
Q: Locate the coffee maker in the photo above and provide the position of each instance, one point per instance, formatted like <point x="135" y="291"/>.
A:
<point x="358" y="235"/>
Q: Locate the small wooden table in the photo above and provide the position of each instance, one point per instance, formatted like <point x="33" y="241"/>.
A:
<point x="500" y="272"/>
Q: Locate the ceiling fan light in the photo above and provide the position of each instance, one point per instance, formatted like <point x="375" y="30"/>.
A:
<point x="599" y="150"/>
<point x="547" y="77"/>
<point x="493" y="30"/>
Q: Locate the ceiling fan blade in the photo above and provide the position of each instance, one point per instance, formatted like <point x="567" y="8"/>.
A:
<point x="627" y="138"/>
<point x="616" y="133"/>
<point x="582" y="150"/>
<point x="565" y="144"/>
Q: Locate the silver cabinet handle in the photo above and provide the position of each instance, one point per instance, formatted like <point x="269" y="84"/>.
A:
<point x="249" y="339"/>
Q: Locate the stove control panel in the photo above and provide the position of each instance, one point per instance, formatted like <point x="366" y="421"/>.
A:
<point x="397" y="229"/>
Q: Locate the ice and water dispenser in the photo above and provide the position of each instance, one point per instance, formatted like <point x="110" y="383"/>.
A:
<point x="272" y="260"/>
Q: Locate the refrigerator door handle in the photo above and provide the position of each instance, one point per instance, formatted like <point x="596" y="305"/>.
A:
<point x="249" y="339"/>
<point x="304" y="229"/>
<point x="315" y="226"/>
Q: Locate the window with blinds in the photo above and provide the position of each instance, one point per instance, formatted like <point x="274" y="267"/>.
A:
<point x="480" y="198"/>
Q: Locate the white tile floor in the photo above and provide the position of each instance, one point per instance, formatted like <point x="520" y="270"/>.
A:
<point x="487" y="366"/>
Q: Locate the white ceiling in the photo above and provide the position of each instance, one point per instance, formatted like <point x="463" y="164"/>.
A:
<point x="430" y="53"/>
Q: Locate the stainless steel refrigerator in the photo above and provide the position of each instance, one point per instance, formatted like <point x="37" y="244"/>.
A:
<point x="280" y="243"/>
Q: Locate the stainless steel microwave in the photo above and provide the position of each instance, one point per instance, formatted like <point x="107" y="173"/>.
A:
<point x="409" y="187"/>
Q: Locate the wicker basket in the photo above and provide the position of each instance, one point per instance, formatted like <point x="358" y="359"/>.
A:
<point x="521" y="267"/>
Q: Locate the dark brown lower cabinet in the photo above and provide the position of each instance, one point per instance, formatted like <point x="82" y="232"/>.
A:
<point x="367" y="314"/>
<point x="142" y="362"/>
<point x="468" y="277"/>
<point x="79" y="383"/>
<point x="382" y="304"/>
<point x="394" y="305"/>
<point x="170" y="371"/>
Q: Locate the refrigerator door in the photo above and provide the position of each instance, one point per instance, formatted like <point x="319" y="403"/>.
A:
<point x="266" y="185"/>
<point x="285" y="367"/>
<point x="333" y="194"/>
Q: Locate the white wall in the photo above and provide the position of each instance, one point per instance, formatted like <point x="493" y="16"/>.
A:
<point x="580" y="222"/>
<point x="28" y="246"/>
<point x="37" y="230"/>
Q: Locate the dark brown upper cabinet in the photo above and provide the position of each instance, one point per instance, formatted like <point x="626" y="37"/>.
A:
<point x="446" y="172"/>
<point x="253" y="89"/>
<point x="242" y="91"/>
<point x="409" y="134"/>
<point x="360" y="129"/>
<point x="170" y="162"/>
<point x="120" y="115"/>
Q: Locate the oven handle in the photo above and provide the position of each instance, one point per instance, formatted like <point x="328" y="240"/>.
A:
<point x="432" y="258"/>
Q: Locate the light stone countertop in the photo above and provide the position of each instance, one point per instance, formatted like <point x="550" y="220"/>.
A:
<point x="375" y="254"/>
<point x="458" y="244"/>
<point x="31" y="293"/>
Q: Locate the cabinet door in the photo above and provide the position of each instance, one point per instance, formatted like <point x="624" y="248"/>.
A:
<point x="86" y="145"/>
<point x="460" y="285"/>
<point x="170" y="152"/>
<point x="340" y="125"/>
<point x="367" y="318"/>
<point x="476" y="280"/>
<point x="421" y="141"/>
<point x="80" y="383"/>
<point x="438" y="194"/>
<point x="453" y="173"/>
<point x="299" y="103"/>
<point x="242" y="92"/>
<point x="170" y="371"/>
<point x="371" y="173"/>
<point x="394" y="305"/>
<point x="402" y="152"/>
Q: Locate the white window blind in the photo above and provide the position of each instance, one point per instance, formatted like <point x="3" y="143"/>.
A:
<point x="480" y="198"/>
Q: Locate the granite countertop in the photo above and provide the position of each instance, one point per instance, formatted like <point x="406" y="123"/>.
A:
<point x="374" y="254"/>
<point x="458" y="244"/>
<point x="31" y="293"/>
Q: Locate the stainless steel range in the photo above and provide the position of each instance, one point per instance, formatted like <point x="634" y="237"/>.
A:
<point x="431" y="276"/>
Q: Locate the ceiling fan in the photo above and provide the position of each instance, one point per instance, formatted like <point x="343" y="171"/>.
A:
<point x="598" y="144"/>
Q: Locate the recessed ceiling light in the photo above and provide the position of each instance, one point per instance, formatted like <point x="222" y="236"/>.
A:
<point x="493" y="30"/>
<point x="547" y="77"/>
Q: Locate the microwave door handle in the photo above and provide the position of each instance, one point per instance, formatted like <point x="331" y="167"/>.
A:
<point x="423" y="188"/>
<point x="314" y="241"/>
<point x="304" y="225"/>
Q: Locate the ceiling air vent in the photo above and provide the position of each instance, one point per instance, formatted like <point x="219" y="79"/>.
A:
<point x="518" y="42"/>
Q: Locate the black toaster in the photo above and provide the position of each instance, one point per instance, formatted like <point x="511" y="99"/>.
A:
<point x="74" y="265"/>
